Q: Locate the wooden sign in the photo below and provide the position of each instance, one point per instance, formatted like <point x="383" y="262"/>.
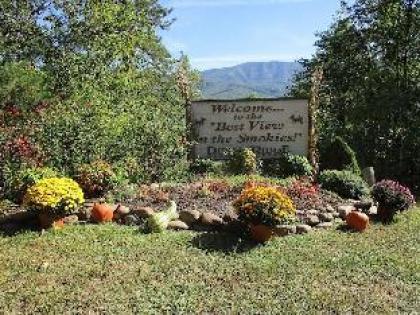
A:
<point x="268" y="126"/>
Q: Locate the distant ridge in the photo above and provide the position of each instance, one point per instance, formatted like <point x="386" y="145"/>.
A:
<point x="255" y="79"/>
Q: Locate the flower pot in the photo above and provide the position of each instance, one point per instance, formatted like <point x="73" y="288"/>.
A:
<point x="357" y="221"/>
<point x="385" y="215"/>
<point x="261" y="233"/>
<point x="46" y="221"/>
<point x="102" y="213"/>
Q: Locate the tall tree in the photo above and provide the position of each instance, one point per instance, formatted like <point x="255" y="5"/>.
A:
<point x="370" y="92"/>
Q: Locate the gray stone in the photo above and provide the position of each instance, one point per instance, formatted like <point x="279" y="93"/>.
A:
<point x="326" y="217"/>
<point x="300" y="212"/>
<point x="312" y="220"/>
<point x="324" y="225"/>
<point x="312" y="212"/>
<point x="373" y="210"/>
<point x="336" y="215"/>
<point x="344" y="210"/>
<point x="211" y="219"/>
<point x="122" y="210"/>
<point x="303" y="228"/>
<point x="143" y="212"/>
<point x="177" y="225"/>
<point x="189" y="216"/>
<point x="284" y="230"/>
<point x="368" y="174"/>
<point x="329" y="209"/>
<point x="71" y="219"/>
<point x="230" y="216"/>
<point x="131" y="220"/>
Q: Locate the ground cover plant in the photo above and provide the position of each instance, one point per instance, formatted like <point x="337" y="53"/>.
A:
<point x="113" y="269"/>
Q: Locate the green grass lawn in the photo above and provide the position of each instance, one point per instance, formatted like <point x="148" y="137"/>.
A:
<point x="116" y="269"/>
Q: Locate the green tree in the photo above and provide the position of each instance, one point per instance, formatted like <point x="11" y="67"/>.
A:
<point x="115" y="81"/>
<point x="370" y="92"/>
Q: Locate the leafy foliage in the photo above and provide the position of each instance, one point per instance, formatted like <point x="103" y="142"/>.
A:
<point x="203" y="166"/>
<point x="288" y="165"/>
<point x="96" y="178"/>
<point x="345" y="183"/>
<point x="392" y="196"/>
<point x="338" y="155"/>
<point x="54" y="196"/>
<point x="242" y="161"/>
<point x="370" y="92"/>
<point x="26" y="178"/>
<point x="114" y="85"/>
<point x="264" y="205"/>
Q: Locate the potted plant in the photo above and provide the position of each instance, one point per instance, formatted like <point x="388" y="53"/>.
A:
<point x="262" y="208"/>
<point x="392" y="197"/>
<point x="52" y="199"/>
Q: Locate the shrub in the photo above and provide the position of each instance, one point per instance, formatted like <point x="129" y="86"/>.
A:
<point x="338" y="155"/>
<point x="288" y="165"/>
<point x="392" y="197"/>
<point x="264" y="205"/>
<point x="56" y="196"/>
<point x="96" y="178"/>
<point x="26" y="178"/>
<point x="123" y="192"/>
<point x="203" y="166"/>
<point x="345" y="183"/>
<point x="242" y="161"/>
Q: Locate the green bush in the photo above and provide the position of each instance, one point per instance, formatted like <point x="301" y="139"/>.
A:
<point x="288" y="165"/>
<point x="96" y="178"/>
<point x="338" y="155"/>
<point x="345" y="183"/>
<point x="124" y="192"/>
<point x="26" y="178"/>
<point x="242" y="161"/>
<point x="203" y="166"/>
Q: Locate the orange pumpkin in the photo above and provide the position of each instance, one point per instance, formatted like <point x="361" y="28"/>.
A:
<point x="261" y="233"/>
<point x="357" y="221"/>
<point x="102" y="213"/>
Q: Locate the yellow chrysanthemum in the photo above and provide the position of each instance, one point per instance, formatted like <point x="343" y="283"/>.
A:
<point x="55" y="195"/>
<point x="265" y="205"/>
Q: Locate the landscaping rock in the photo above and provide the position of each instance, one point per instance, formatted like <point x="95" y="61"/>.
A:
<point x="85" y="213"/>
<point x="189" y="216"/>
<point x="300" y="212"/>
<point x="303" y="229"/>
<point x="122" y="210"/>
<point x="230" y="216"/>
<point x="336" y="215"/>
<point x="143" y="212"/>
<point x="284" y="230"/>
<point x="312" y="212"/>
<point x="177" y="225"/>
<point x="326" y="217"/>
<point x="364" y="206"/>
<point x="211" y="219"/>
<point x="71" y="219"/>
<point x="312" y="220"/>
<point x="324" y="225"/>
<point x="131" y="220"/>
<point x="344" y="210"/>
<point x="373" y="210"/>
<point x="329" y="209"/>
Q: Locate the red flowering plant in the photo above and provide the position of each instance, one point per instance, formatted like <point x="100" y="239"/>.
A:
<point x="305" y="194"/>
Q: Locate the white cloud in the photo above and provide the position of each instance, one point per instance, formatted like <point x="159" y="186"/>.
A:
<point x="203" y="63"/>
<point x="225" y="3"/>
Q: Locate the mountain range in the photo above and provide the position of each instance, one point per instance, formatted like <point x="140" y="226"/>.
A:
<point x="252" y="79"/>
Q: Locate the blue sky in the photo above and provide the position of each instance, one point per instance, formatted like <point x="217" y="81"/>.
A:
<point x="221" y="33"/>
